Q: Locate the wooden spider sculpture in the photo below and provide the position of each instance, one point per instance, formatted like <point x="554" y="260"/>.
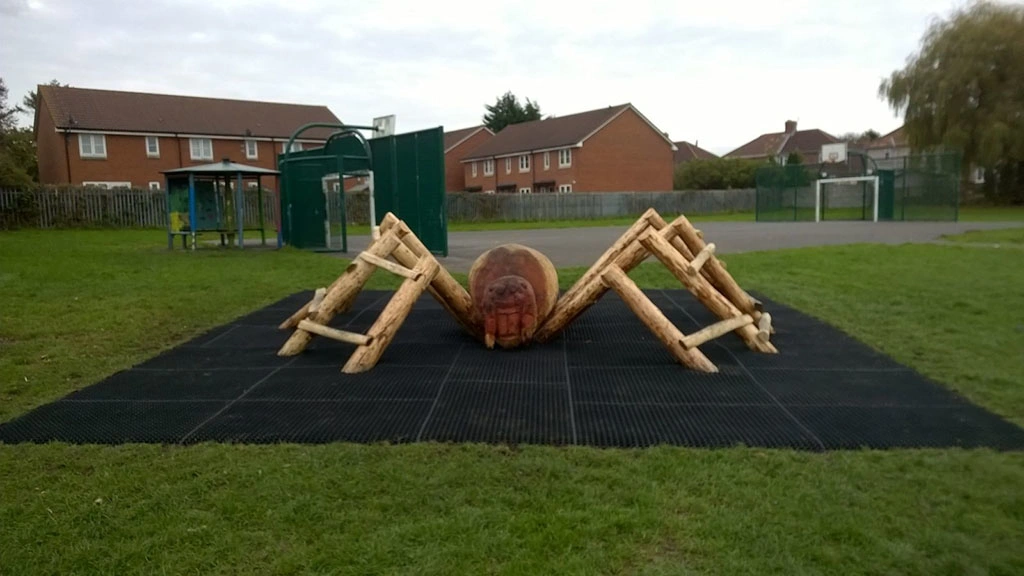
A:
<point x="513" y="293"/>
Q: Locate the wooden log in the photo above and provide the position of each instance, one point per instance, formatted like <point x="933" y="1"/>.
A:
<point x="702" y="289"/>
<point x="345" y="290"/>
<point x="571" y="305"/>
<point x="716" y="271"/>
<point x="444" y="288"/>
<point x="318" y="297"/>
<point x="662" y="327"/>
<point x="715" y="330"/>
<point x="701" y="258"/>
<point x="334" y="333"/>
<point x="388" y="265"/>
<point x="764" y="327"/>
<point x="391" y="318"/>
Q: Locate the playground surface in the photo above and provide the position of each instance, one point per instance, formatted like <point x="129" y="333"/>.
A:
<point x="605" y="382"/>
<point x="582" y="246"/>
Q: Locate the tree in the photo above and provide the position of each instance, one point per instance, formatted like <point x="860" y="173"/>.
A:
<point x="31" y="100"/>
<point x="964" y="89"/>
<point x="17" y="147"/>
<point x="865" y="136"/>
<point x="794" y="158"/>
<point x="6" y="114"/>
<point x="508" y="110"/>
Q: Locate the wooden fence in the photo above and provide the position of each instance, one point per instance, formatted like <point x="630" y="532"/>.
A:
<point x="71" y="207"/>
<point x="123" y="208"/>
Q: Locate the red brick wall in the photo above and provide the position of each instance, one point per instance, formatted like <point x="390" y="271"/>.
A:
<point x="527" y="179"/>
<point x="127" y="160"/>
<point x="627" y="155"/>
<point x="50" y="149"/>
<point x="454" y="175"/>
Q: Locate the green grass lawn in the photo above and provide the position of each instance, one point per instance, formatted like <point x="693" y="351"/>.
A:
<point x="1013" y="236"/>
<point x="77" y="306"/>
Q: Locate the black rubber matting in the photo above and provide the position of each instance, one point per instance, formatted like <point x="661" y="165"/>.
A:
<point x="605" y="382"/>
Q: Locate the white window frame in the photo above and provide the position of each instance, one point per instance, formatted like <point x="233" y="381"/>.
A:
<point x="474" y="169"/>
<point x="252" y="185"/>
<point x="508" y="165"/>
<point x="154" y="185"/>
<point x="201" y="142"/>
<point x="524" y="190"/>
<point x="92" y="139"/>
<point x="254" y="154"/>
<point x="489" y="167"/>
<point x="565" y="188"/>
<point x="108" y="185"/>
<point x="524" y="163"/>
<point x="565" y="157"/>
<point x="547" y="160"/>
<point x="153" y="153"/>
<point x="296" y="147"/>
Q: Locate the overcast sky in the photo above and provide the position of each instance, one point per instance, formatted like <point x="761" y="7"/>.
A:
<point x="718" y="72"/>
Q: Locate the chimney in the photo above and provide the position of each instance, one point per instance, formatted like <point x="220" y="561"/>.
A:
<point x="790" y="126"/>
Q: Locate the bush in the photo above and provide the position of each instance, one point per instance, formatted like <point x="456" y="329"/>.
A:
<point x="717" y="174"/>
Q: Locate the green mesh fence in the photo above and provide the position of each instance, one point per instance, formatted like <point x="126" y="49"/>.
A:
<point x="918" y="187"/>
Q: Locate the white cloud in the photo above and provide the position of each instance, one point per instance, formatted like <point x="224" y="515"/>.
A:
<point x="718" y="72"/>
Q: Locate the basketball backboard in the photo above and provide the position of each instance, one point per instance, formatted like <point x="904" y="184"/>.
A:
<point x="384" y="126"/>
<point x="833" y="153"/>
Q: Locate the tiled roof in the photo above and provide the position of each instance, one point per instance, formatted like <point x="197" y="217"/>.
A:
<point x="776" y="143"/>
<point x="686" y="152"/>
<point x="895" y="139"/>
<point x="90" y="109"/>
<point x="547" y="133"/>
<point x="454" y="137"/>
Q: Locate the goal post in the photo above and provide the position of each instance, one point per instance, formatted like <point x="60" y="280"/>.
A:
<point x="822" y="182"/>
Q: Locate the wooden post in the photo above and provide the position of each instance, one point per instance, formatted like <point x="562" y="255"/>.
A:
<point x="701" y="258"/>
<point x="764" y="327"/>
<point x="318" y="297"/>
<point x="715" y="270"/>
<point x="344" y="291"/>
<point x="388" y="265"/>
<point x="390" y="320"/>
<point x="715" y="330"/>
<point x="702" y="289"/>
<point x="662" y="327"/>
<point x="334" y="333"/>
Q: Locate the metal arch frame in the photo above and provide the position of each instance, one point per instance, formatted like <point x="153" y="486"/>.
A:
<point x="342" y="131"/>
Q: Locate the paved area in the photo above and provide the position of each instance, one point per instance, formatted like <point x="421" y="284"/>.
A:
<point x="581" y="246"/>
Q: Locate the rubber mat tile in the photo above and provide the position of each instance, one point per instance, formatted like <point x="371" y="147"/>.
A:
<point x="209" y="335"/>
<point x="821" y="349"/>
<point x="608" y="333"/>
<point x="251" y="337"/>
<point x="909" y="427"/>
<point x="640" y="425"/>
<point x="501" y="412"/>
<point x="329" y="383"/>
<point x="265" y="317"/>
<point x="330" y="353"/>
<point x="108" y="422"/>
<point x="316" y="422"/>
<point x="172" y="385"/>
<point x="665" y="385"/>
<point x="199" y="358"/>
<point x="538" y="364"/>
<point x="629" y="354"/>
<point x="842" y="387"/>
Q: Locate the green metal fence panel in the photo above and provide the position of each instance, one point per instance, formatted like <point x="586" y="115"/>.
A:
<point x="784" y="193"/>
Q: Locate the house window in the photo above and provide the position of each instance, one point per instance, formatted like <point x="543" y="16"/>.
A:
<point x="92" y="145"/>
<point x="524" y="190"/>
<point x="253" y="185"/>
<point x="252" y="150"/>
<point x="152" y="147"/>
<point x="979" y="175"/>
<point x="201" y="148"/>
<point x="296" y="146"/>
<point x="474" y="169"/>
<point x="154" y="185"/>
<point x="508" y="165"/>
<point x="564" y="188"/>
<point x="564" y="157"/>
<point x="547" y="160"/>
<point x="524" y="163"/>
<point x="108" y="184"/>
<point x="489" y="167"/>
<point x="488" y="191"/>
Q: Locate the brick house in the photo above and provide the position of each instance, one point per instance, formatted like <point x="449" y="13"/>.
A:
<point x="113" y="138"/>
<point x="606" y="150"/>
<point x="685" y="152"/>
<point x="896" y="144"/>
<point x="457" y="145"/>
<point x="779" y="145"/>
